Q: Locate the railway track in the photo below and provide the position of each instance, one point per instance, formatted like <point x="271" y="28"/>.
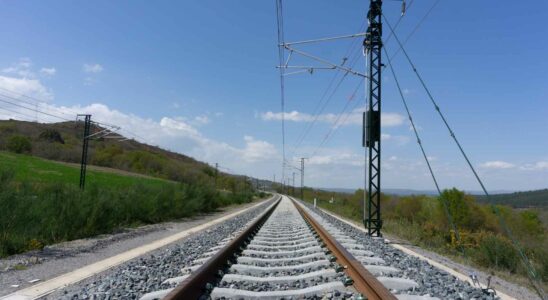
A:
<point x="292" y="252"/>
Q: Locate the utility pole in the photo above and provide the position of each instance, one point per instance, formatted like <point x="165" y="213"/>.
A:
<point x="302" y="178"/>
<point x="85" y="144"/>
<point x="372" y="118"/>
<point x="293" y="184"/>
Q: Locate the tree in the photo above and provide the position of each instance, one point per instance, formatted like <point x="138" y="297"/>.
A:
<point x="19" y="144"/>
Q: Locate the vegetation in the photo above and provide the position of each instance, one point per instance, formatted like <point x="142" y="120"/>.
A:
<point x="63" y="142"/>
<point x="40" y="202"/>
<point x="527" y="199"/>
<point x="19" y="144"/>
<point x="484" y="242"/>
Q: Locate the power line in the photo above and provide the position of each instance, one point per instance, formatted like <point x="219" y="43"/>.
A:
<point x="37" y="101"/>
<point x="18" y="113"/>
<point x="281" y="56"/>
<point x="31" y="109"/>
<point x="336" y="124"/>
<point x="398" y="22"/>
<point x="351" y="49"/>
<point x="419" y="142"/>
<point x="415" y="28"/>
<point x="531" y="271"/>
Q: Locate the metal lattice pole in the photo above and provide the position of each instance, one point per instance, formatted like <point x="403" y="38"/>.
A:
<point x="302" y="178"/>
<point x="373" y="44"/>
<point x="85" y="144"/>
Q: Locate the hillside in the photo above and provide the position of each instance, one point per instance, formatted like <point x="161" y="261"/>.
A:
<point x="538" y="198"/>
<point x="63" y="142"/>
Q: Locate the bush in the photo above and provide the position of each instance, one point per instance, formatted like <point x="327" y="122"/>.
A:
<point x="52" y="136"/>
<point x="497" y="251"/>
<point x="19" y="144"/>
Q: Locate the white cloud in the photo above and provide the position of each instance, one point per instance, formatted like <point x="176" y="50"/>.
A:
<point x="538" y="166"/>
<point x="398" y="139"/>
<point x="21" y="68"/>
<point x="336" y="157"/>
<point x="48" y="71"/>
<point x="497" y="164"/>
<point x="201" y="120"/>
<point x="19" y="79"/>
<point x="353" y="118"/>
<point x="92" y="68"/>
<point x="294" y="116"/>
<point x="256" y="150"/>
<point x="25" y="86"/>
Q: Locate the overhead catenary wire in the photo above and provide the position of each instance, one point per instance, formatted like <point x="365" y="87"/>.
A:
<point x="421" y="21"/>
<point x="18" y="102"/>
<point x="18" y="113"/>
<point x="21" y="97"/>
<point x="398" y="22"/>
<point x="419" y="142"/>
<point x="348" y="36"/>
<point x="320" y="107"/>
<point x="324" y="61"/>
<point x="337" y="122"/>
<point x="30" y="109"/>
<point x="281" y="56"/>
<point x="527" y="264"/>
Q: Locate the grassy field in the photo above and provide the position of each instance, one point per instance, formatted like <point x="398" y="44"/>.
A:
<point x="63" y="142"/>
<point x="41" y="203"/>
<point x="41" y="171"/>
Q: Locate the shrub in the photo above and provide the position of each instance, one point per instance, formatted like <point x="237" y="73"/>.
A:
<point x="497" y="251"/>
<point x="19" y="144"/>
<point x="52" y="136"/>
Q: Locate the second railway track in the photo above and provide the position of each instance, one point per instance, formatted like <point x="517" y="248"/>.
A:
<point x="292" y="252"/>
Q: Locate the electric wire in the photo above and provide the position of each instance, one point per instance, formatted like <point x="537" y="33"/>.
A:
<point x="36" y="101"/>
<point x="336" y="124"/>
<point x="349" y="51"/>
<point x="19" y="113"/>
<point x="419" y="142"/>
<point x="10" y="100"/>
<point x="31" y="109"/>
<point x="531" y="271"/>
<point x="398" y="22"/>
<point x="281" y="56"/>
<point x="322" y="107"/>
<point x="421" y="21"/>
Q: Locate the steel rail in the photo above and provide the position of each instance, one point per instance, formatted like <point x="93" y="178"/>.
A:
<point x="194" y="286"/>
<point x="364" y="281"/>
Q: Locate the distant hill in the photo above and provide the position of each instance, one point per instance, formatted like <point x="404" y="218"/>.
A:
<point x="538" y="198"/>
<point x="63" y="142"/>
<point x="408" y="192"/>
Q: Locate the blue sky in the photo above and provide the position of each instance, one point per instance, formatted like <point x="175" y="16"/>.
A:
<point x="199" y="77"/>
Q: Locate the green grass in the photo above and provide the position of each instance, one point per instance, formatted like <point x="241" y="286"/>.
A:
<point x="41" y="171"/>
<point x="41" y="203"/>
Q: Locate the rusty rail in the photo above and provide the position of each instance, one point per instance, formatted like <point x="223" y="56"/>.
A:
<point x="364" y="281"/>
<point x="195" y="285"/>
